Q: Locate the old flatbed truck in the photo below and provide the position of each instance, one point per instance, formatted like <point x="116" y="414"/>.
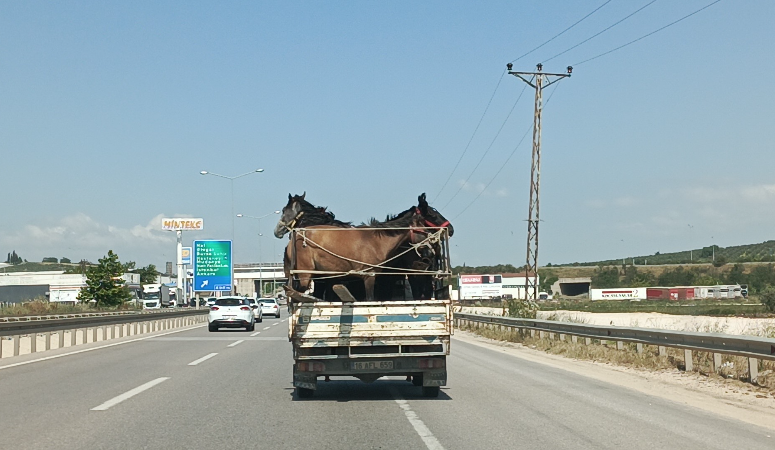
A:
<point x="369" y="340"/>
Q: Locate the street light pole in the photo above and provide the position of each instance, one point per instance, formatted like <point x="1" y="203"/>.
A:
<point x="204" y="172"/>
<point x="260" y="256"/>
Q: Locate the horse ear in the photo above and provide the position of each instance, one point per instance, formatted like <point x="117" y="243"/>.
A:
<point x="289" y="196"/>
<point x="303" y="195"/>
<point x="421" y="202"/>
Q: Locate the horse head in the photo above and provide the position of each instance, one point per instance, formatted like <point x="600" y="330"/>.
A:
<point x="290" y="214"/>
<point x="301" y="213"/>
<point x="432" y="216"/>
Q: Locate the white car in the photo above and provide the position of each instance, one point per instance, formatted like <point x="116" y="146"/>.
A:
<point x="232" y="312"/>
<point x="257" y="311"/>
<point x="269" y="306"/>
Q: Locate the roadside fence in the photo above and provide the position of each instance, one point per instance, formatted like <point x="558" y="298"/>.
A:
<point x="753" y="348"/>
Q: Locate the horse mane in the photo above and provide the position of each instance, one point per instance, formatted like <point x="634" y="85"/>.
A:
<point x="316" y="215"/>
<point x="392" y="226"/>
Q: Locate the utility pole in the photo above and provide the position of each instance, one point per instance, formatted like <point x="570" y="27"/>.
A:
<point x="537" y="80"/>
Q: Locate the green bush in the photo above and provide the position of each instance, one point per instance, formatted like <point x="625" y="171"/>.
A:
<point x="768" y="297"/>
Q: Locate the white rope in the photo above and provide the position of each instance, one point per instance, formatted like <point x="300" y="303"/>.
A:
<point x="429" y="241"/>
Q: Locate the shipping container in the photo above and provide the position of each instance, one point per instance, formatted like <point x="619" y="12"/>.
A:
<point x="658" y="293"/>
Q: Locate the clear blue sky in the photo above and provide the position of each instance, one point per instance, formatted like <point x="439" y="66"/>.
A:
<point x="109" y="111"/>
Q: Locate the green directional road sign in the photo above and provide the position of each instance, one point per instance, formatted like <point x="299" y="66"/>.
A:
<point x="213" y="269"/>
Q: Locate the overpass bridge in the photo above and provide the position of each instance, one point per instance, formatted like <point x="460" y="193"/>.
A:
<point x="258" y="277"/>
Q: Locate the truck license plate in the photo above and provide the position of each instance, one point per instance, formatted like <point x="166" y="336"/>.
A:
<point x="369" y="365"/>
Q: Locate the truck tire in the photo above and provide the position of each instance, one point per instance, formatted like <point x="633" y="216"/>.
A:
<point x="304" y="392"/>
<point x="417" y="380"/>
<point x="430" y="391"/>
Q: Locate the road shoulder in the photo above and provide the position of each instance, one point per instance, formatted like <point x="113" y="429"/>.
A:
<point x="734" y="400"/>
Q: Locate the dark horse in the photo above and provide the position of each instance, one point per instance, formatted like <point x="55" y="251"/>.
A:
<point x="356" y="251"/>
<point x="425" y="258"/>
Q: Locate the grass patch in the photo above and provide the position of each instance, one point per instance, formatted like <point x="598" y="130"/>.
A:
<point x="733" y="368"/>
<point x="688" y="308"/>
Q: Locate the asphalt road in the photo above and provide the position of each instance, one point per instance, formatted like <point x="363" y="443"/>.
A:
<point x="241" y="397"/>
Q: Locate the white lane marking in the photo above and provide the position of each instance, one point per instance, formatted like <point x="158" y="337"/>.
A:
<point x="425" y="434"/>
<point x="129" y="394"/>
<point x="202" y="359"/>
<point x="275" y="324"/>
<point x="46" y="358"/>
<point x="255" y="334"/>
<point x="266" y="328"/>
<point x="236" y="343"/>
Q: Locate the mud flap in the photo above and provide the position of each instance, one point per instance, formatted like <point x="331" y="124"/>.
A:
<point x="435" y="378"/>
<point x="305" y="380"/>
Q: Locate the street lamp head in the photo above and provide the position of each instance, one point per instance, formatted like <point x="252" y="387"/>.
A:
<point x="204" y="172"/>
<point x="239" y="215"/>
<point x="259" y="170"/>
<point x="277" y="212"/>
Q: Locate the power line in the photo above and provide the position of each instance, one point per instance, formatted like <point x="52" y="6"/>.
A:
<point x="472" y="137"/>
<point x="488" y="149"/>
<point x="513" y="152"/>
<point x="649" y="34"/>
<point x="603" y="31"/>
<point x="563" y="31"/>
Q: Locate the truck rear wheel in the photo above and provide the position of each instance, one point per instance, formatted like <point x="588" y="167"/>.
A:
<point x="417" y="380"/>
<point x="304" y="392"/>
<point x="430" y="391"/>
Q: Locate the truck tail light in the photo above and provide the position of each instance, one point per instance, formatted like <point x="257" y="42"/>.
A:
<point x="245" y="308"/>
<point x="432" y="363"/>
<point x="305" y="366"/>
<point x="214" y="308"/>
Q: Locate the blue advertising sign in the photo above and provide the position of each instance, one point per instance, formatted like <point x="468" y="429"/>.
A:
<point x="213" y="269"/>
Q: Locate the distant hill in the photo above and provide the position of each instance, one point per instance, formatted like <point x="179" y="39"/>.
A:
<point x="763" y="252"/>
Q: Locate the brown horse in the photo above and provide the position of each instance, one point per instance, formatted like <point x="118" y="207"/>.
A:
<point x="351" y="251"/>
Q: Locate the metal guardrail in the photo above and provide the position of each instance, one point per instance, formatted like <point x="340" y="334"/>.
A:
<point x="99" y="328"/>
<point x="82" y="321"/>
<point x="4" y="319"/>
<point x="754" y="348"/>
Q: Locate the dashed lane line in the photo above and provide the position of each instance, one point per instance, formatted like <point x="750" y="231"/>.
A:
<point x="202" y="359"/>
<point x="255" y="334"/>
<point x="275" y="324"/>
<point x="129" y="394"/>
<point x="419" y="426"/>
<point x="236" y="343"/>
<point x="266" y="328"/>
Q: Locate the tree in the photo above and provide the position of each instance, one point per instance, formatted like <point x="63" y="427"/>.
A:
<point x="13" y="258"/>
<point x="548" y="278"/>
<point x="104" y="284"/>
<point x="129" y="266"/>
<point x="50" y="259"/>
<point x="605" y="277"/>
<point x="64" y="260"/>
<point x="148" y="274"/>
<point x="768" y="297"/>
